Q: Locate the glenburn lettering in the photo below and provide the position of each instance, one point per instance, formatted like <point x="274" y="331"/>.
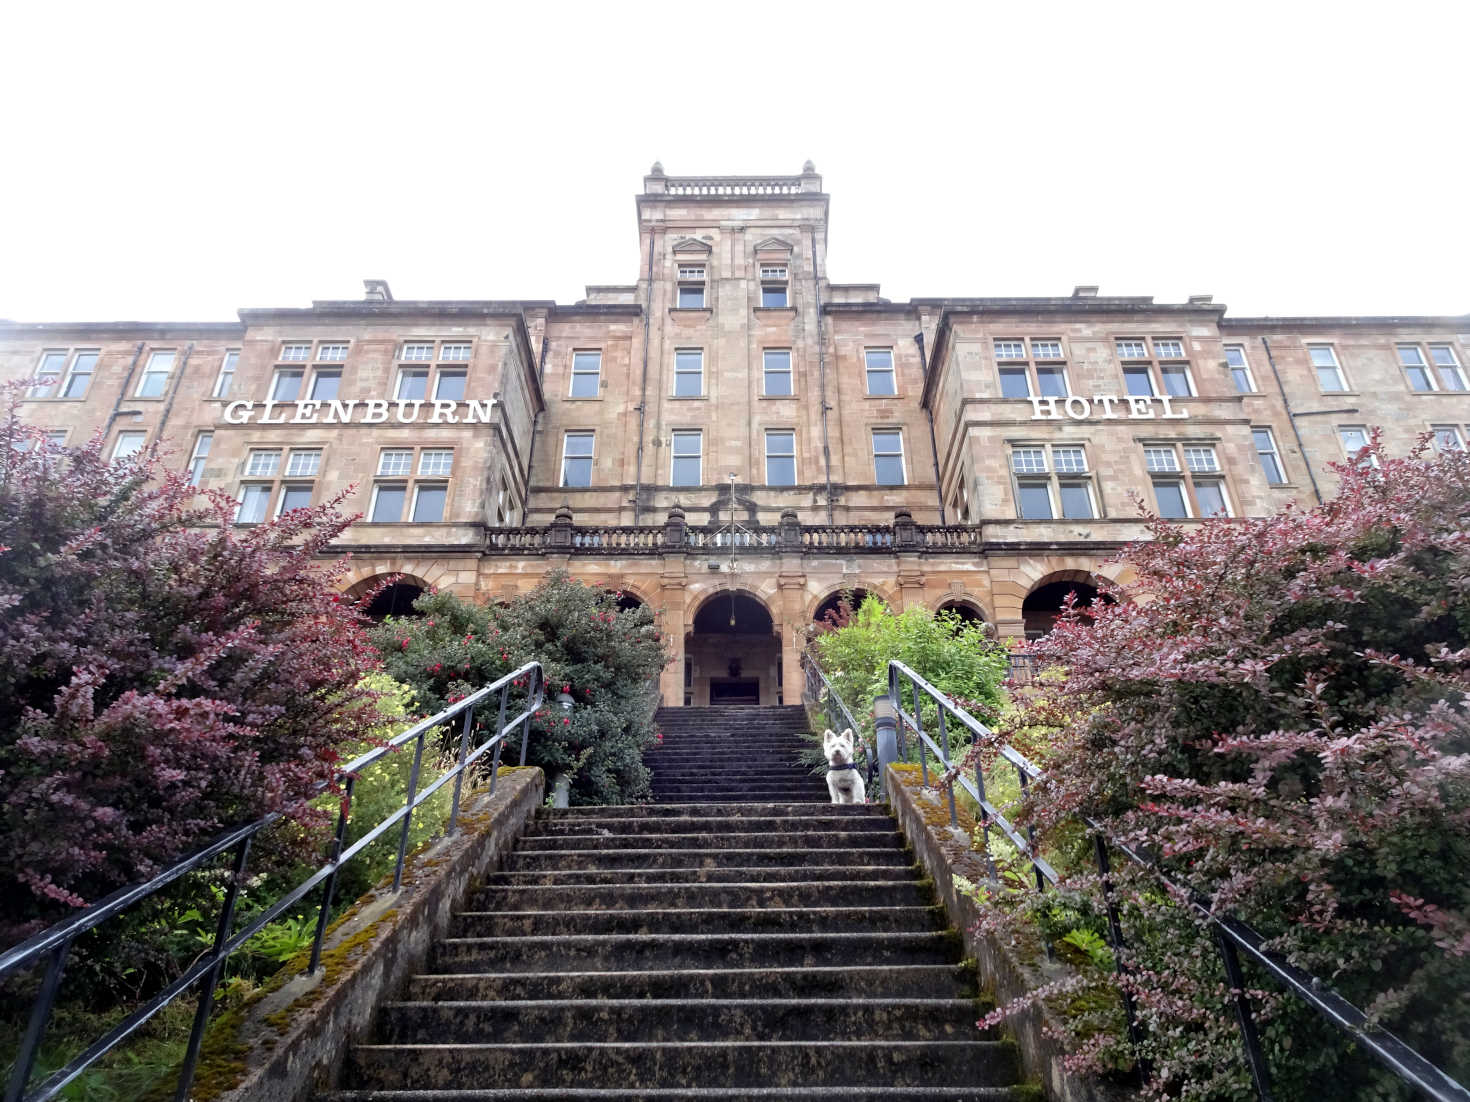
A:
<point x="370" y="411"/>
<point x="1079" y="408"/>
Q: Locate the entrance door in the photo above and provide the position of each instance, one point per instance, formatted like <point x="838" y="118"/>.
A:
<point x="734" y="690"/>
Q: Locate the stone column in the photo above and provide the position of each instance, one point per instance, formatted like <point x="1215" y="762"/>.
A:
<point x="793" y="633"/>
<point x="672" y="594"/>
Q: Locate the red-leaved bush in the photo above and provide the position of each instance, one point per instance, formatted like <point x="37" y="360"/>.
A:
<point x="1275" y="710"/>
<point x="163" y="674"/>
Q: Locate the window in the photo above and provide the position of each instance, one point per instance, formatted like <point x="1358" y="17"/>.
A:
<point x="888" y="457"/>
<point x="387" y="506"/>
<point x="1010" y="350"/>
<point x="436" y="461"/>
<point x="393" y="461"/>
<point x="83" y="365"/>
<point x="685" y="467"/>
<point x="1131" y="350"/>
<point x="1199" y="493"/>
<point x="326" y="383"/>
<point x="1240" y="371"/>
<point x="155" y="374"/>
<point x="1267" y="454"/>
<point x="286" y="387"/>
<point x="1046" y="350"/>
<point x="455" y="351"/>
<point x="880" y="371"/>
<point x="780" y="457"/>
<point x="586" y="374"/>
<point x="225" y="380"/>
<point x="1051" y="382"/>
<point x="417" y="351"/>
<point x="1177" y="383"/>
<point x="502" y="495"/>
<point x="1446" y="366"/>
<point x="1448" y="438"/>
<point x="777" y="365"/>
<point x="576" y="459"/>
<point x="428" y="502"/>
<point x="1015" y="382"/>
<point x="413" y="384"/>
<point x="449" y="386"/>
<point x="1329" y="372"/>
<point x="1038" y="495"/>
<point x="295" y="350"/>
<point x="331" y="351"/>
<point x="773" y="285"/>
<point x="1201" y="459"/>
<point x="1168" y="349"/>
<point x="263" y="463"/>
<point x="1417" y="371"/>
<point x="691" y="286"/>
<point x="293" y="496"/>
<point x="48" y="374"/>
<point x="1138" y="381"/>
<point x="688" y="373"/>
<point x="304" y="462"/>
<point x="254" y="500"/>
<point x="128" y="443"/>
<point x="202" y="444"/>
<point x="1354" y="439"/>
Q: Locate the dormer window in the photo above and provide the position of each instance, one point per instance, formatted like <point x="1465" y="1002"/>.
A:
<point x="691" y="286"/>
<point x="773" y="285"/>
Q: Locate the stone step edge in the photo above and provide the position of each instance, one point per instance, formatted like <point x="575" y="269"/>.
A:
<point x="614" y="1004"/>
<point x="791" y="971"/>
<point x="929" y="910"/>
<point x="881" y="937"/>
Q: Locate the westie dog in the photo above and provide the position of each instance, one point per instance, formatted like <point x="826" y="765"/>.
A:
<point x="843" y="779"/>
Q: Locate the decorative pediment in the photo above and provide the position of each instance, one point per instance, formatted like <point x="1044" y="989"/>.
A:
<point x="692" y="245"/>
<point x="773" y="245"/>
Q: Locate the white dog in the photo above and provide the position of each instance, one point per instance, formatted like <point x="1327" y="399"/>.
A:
<point x="843" y="779"/>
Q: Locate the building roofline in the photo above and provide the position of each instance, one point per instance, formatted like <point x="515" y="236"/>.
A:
<point x="353" y="308"/>
<point x="169" y="330"/>
<point x="884" y="307"/>
<point x="611" y="309"/>
<point x="1396" y="321"/>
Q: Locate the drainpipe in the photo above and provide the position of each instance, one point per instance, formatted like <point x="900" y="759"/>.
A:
<point x="117" y="410"/>
<point x="643" y="387"/>
<point x="173" y="391"/>
<point x="1291" y="417"/>
<point x="535" y="420"/>
<point x="822" y="375"/>
<point x="933" y="441"/>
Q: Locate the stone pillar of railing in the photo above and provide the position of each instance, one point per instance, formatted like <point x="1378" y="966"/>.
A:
<point x="674" y="528"/>
<point x="810" y="181"/>
<point x="561" y="529"/>
<point x="905" y="531"/>
<point x="790" y="530"/>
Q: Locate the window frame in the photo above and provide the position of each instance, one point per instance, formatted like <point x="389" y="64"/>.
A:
<point x="63" y="387"/>
<point x="869" y="370"/>
<point x="41" y="389"/>
<point x="320" y="373"/>
<point x="590" y="457"/>
<point x="284" y="356"/>
<point x="411" y="371"/>
<point x="1425" y="368"/>
<point x="675" y="456"/>
<point x="287" y="470"/>
<point x="323" y="347"/>
<point x="436" y="485"/>
<point x="140" y="434"/>
<point x="767" y="372"/>
<point x="1455" y="367"/>
<point x="378" y="488"/>
<point x="224" y="379"/>
<point x="902" y="459"/>
<point x="687" y="283"/>
<point x="274" y="471"/>
<point x="444" y="350"/>
<point x="203" y="439"/>
<point x="769" y="455"/>
<point x="1274" y="453"/>
<point x="577" y="373"/>
<point x="1352" y="454"/>
<point x="685" y="372"/>
<point x="407" y="357"/>
<point x="283" y="373"/>
<point x="395" y="451"/>
<point x="149" y="372"/>
<point x="436" y="451"/>
<point x="286" y="488"/>
<point x="246" y="487"/>
<point x="1244" y="366"/>
<point x="1052" y="478"/>
<point x="1335" y="365"/>
<point x="1181" y="474"/>
<point x="1456" y="432"/>
<point x="460" y="373"/>
<point x="770" y="282"/>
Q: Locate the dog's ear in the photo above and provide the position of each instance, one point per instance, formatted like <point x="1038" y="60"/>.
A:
<point x="846" y="733"/>
<point x="827" y="736"/>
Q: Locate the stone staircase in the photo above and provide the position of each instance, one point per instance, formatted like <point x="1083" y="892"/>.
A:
<point x="768" y="947"/>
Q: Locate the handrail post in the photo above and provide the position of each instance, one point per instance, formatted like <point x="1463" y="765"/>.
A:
<point x="25" y="1058"/>
<point x="413" y="789"/>
<point x="1255" y="1059"/>
<point x="464" y="749"/>
<point x="885" y="727"/>
<point x="1115" y="934"/>
<point x="210" y="978"/>
<point x="954" y="818"/>
<point x="344" y="813"/>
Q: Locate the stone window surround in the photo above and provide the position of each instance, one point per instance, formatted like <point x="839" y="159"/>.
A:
<point x="768" y="455"/>
<point x="1244" y="366"/>
<point x="1055" y="476"/>
<point x="574" y="372"/>
<point x="62" y="377"/>
<point x="869" y="370"/>
<point x="591" y="455"/>
<point x="151" y="372"/>
<point x="1436" y="369"/>
<point x="675" y="436"/>
<point x="1186" y="479"/>
<point x="1154" y="366"/>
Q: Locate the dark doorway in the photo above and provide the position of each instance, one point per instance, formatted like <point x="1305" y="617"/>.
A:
<point x="1043" y="605"/>
<point x="395" y="600"/>
<point x="966" y="614"/>
<point x="837" y="609"/>
<point x="734" y="690"/>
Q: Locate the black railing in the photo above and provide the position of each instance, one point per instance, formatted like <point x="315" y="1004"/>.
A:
<point x="1232" y="937"/>
<point x="52" y="946"/>
<point x="821" y="690"/>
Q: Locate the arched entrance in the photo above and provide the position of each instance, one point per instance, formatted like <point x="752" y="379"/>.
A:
<point x="732" y="654"/>
<point x="1043" y="605"/>
<point x="395" y="599"/>
<point x="962" y="611"/>
<point x="837" y="607"/>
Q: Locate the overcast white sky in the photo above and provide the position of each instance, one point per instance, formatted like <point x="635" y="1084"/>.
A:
<point x="179" y="162"/>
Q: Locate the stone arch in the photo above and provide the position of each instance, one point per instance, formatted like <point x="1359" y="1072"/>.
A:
<point x="1010" y="593"/>
<point x="742" y="599"/>
<point x="395" y="599"/>
<point x="967" y="607"/>
<point x="732" y="648"/>
<point x="871" y="589"/>
<point x="1044" y="601"/>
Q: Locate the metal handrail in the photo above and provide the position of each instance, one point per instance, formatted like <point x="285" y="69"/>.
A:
<point x="1232" y="936"/>
<point x="57" y="940"/>
<point x="820" y="689"/>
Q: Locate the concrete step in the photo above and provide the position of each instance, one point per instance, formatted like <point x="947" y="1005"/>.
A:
<point x="735" y="810"/>
<point x="795" y="839"/>
<point x="714" y="1063"/>
<point x="632" y="952"/>
<point x="696" y="822"/>
<point x="844" y="981"/>
<point x="635" y="897"/>
<point x="702" y="920"/>
<point x="665" y="1020"/>
<point x="534" y="860"/>
<point x="789" y="873"/>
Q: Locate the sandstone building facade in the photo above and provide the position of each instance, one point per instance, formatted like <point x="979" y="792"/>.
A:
<point x="735" y="440"/>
